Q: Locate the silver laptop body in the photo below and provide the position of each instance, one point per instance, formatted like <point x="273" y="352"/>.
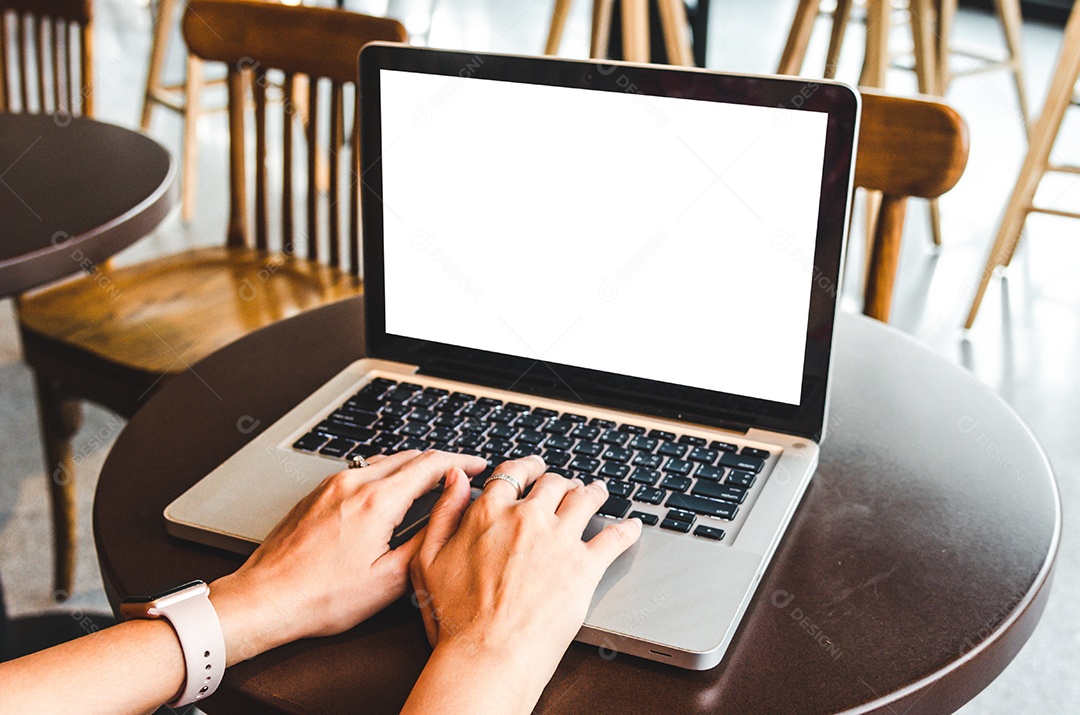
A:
<point x="471" y="164"/>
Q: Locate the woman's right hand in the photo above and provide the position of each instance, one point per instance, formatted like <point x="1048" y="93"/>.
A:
<point x="505" y="584"/>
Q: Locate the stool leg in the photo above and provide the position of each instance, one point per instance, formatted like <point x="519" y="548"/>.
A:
<point x="876" y="60"/>
<point x="791" y="61"/>
<point x="601" y="28"/>
<point x="946" y="13"/>
<point x="193" y="87"/>
<point x="841" y="18"/>
<point x="1009" y="11"/>
<point x="158" y="48"/>
<point x="60" y="420"/>
<point x="884" y="258"/>
<point x="676" y="28"/>
<point x="923" y="27"/>
<point x="635" y="27"/>
<point x="558" y="24"/>
<point x="1038" y="157"/>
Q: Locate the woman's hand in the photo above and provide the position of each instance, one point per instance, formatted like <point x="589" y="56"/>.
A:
<point x="505" y="585"/>
<point x="328" y="564"/>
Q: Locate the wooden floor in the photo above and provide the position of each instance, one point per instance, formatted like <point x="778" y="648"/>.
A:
<point x="1025" y="345"/>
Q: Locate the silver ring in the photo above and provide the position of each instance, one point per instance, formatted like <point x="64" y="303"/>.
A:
<point x="358" y="462"/>
<point x="506" y="478"/>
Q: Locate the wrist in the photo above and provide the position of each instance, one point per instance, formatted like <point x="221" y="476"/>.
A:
<point x="516" y="673"/>
<point x="249" y="625"/>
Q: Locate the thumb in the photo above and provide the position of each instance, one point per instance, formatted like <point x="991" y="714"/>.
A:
<point x="614" y="539"/>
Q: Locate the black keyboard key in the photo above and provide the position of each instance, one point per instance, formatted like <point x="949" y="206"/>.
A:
<point x="423" y="400"/>
<point x="585" y="464"/>
<point x="421" y="415"/>
<point x="679" y="484"/>
<point x="462" y="397"/>
<point x="618" y="454"/>
<point x="692" y="441"/>
<point x="363" y="404"/>
<point x="503" y="431"/>
<point x="682" y="515"/>
<point x="661" y="434"/>
<point x="565" y="473"/>
<point x="727" y="492"/>
<point x="723" y="446"/>
<point x="545" y="412"/>
<point x="755" y="452"/>
<point x="707" y="472"/>
<point x="614" y="470"/>
<point x="503" y="416"/>
<point x="649" y="495"/>
<point x="310" y="442"/>
<point x="585" y="432"/>
<point x="643" y="443"/>
<point x="436" y="392"/>
<point x="700" y="454"/>
<point x="387" y="441"/>
<point x="678" y="466"/>
<point x="618" y="488"/>
<point x="614" y="436"/>
<point x="530" y="436"/>
<point x="671" y="449"/>
<point x="559" y="442"/>
<point x="523" y="450"/>
<point x="415" y="429"/>
<point x="496" y="446"/>
<point x="442" y="434"/>
<point x="410" y="386"/>
<point x="336" y="429"/>
<point x="589" y="449"/>
<point x="477" y="411"/>
<point x="701" y="505"/>
<point x="471" y="426"/>
<point x="356" y="417"/>
<point x="741" y="479"/>
<point x="447" y="420"/>
<point x="414" y="443"/>
<point x="632" y="429"/>
<point x="675" y="525"/>
<point x="471" y="440"/>
<point x="478" y="481"/>
<point x="741" y="461"/>
<point x="651" y="461"/>
<point x="395" y="410"/>
<point x="645" y="476"/>
<point x="558" y="426"/>
<point x="489" y="402"/>
<point x="709" y="532"/>
<point x="601" y="424"/>
<point x="555" y="458"/>
<point x="530" y="421"/>
<point x="517" y="407"/>
<point x="398" y="394"/>
<point x="615" y="507"/>
<point x="375" y="389"/>
<point x="571" y="417"/>
<point x="362" y="450"/>
<point x="646" y="518"/>
<point x="389" y="424"/>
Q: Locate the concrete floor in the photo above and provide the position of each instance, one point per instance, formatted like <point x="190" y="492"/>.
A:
<point x="1026" y="344"/>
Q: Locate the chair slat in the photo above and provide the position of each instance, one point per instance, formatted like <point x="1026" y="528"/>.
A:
<point x="287" y="198"/>
<point x="24" y="36"/>
<point x="258" y="91"/>
<point x="354" y="190"/>
<point x="58" y="29"/>
<point x="334" y="159"/>
<point x="3" y="61"/>
<point x="69" y="81"/>
<point x="313" y="169"/>
<point x="39" y="51"/>
<point x="237" y="235"/>
<point x="86" y="69"/>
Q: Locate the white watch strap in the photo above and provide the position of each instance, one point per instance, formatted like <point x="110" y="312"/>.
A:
<point x="199" y="630"/>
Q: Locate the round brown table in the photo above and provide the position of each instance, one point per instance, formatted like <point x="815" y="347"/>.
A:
<point x="74" y="191"/>
<point x="915" y="569"/>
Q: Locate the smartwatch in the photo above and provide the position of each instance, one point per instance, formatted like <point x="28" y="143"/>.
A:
<point x="188" y="610"/>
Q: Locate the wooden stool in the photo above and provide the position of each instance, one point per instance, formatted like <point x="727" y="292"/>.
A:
<point x="635" y="29"/>
<point x="182" y="98"/>
<point x="1037" y="163"/>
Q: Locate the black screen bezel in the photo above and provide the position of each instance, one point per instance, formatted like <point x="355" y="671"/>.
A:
<point x="560" y="381"/>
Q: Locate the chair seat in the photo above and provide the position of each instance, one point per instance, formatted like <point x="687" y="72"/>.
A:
<point x="163" y="315"/>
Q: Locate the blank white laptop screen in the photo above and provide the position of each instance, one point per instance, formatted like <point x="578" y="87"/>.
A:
<point x="660" y="238"/>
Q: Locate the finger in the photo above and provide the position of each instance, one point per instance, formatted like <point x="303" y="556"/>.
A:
<point x="378" y="469"/>
<point x="613" y="540"/>
<point x="446" y="515"/>
<point x="578" y="505"/>
<point x="376" y="458"/>
<point x="550" y="489"/>
<point x="421" y="473"/>
<point x="524" y="471"/>
<point x="421" y="598"/>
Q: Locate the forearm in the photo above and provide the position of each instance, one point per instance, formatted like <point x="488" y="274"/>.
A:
<point x="461" y="678"/>
<point x="132" y="667"/>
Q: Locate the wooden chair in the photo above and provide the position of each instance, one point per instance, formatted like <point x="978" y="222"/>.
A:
<point x="49" y="61"/>
<point x="635" y="29"/>
<point x="907" y="147"/>
<point x="157" y="318"/>
<point x="1061" y="95"/>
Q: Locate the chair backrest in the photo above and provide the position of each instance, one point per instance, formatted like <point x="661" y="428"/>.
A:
<point x="39" y="59"/>
<point x="284" y="56"/>
<point x="907" y="147"/>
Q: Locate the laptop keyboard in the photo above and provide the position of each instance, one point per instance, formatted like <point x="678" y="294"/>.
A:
<point x="697" y="484"/>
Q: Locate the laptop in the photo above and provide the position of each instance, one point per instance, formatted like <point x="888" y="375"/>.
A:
<point x="630" y="270"/>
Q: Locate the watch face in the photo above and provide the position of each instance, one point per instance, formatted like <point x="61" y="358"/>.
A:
<point x="163" y="594"/>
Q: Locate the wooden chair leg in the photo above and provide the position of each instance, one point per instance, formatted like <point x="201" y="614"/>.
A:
<point x="558" y="24"/>
<point x="876" y="59"/>
<point x="884" y="258"/>
<point x="791" y="61"/>
<point x="635" y="28"/>
<point x="841" y="18"/>
<point x="158" y="48"/>
<point x="60" y="420"/>
<point x="193" y="89"/>
<point x="601" y="28"/>
<point x="946" y="13"/>
<point x="676" y="30"/>
<point x="1009" y="12"/>
<point x="1038" y="157"/>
